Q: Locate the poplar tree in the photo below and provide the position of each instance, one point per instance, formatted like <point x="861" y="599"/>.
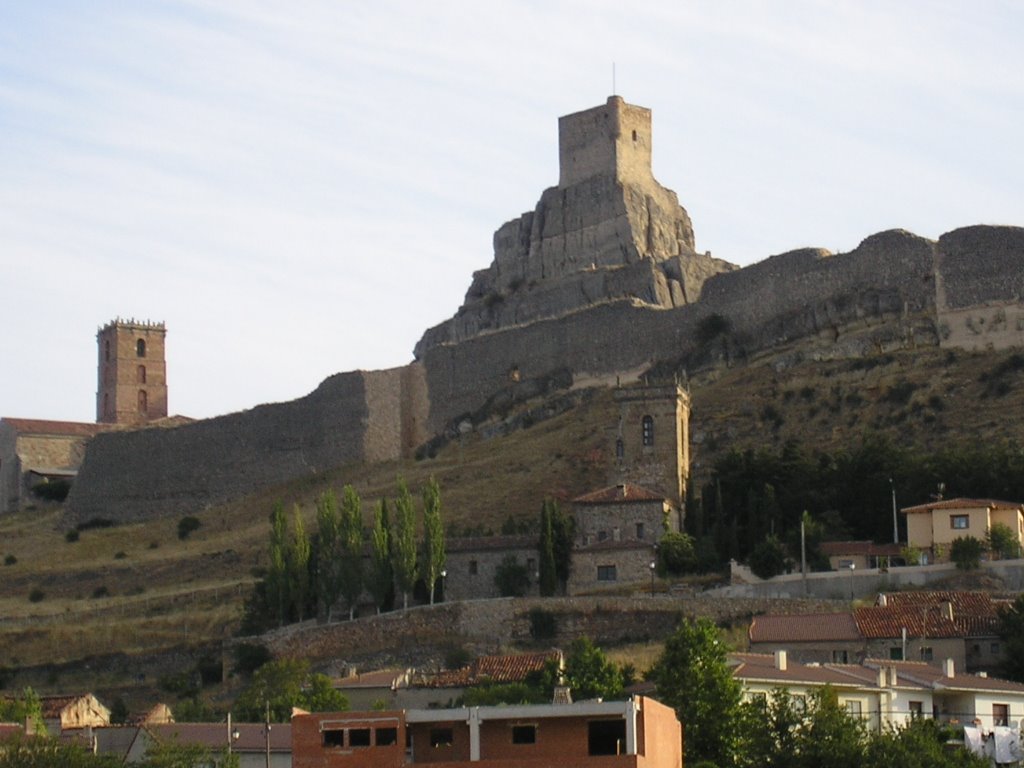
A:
<point x="298" y="565"/>
<point x="382" y="577"/>
<point x="403" y="543"/>
<point x="277" y="571"/>
<point x="563" y="531"/>
<point x="351" y="536"/>
<point x="434" y="556"/>
<point x="548" y="579"/>
<point x="328" y="562"/>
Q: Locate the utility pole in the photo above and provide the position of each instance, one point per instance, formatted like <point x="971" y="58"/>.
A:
<point x="803" y="550"/>
<point x="895" y="526"/>
<point x="268" y="734"/>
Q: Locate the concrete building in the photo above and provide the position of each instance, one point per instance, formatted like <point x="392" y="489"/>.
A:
<point x="639" y="733"/>
<point x="933" y="527"/>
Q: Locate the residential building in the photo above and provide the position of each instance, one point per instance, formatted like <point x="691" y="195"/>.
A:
<point x="933" y="527"/>
<point x="638" y="733"/>
<point x="843" y="555"/>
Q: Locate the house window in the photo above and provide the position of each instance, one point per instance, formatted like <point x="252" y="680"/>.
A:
<point x="896" y="653"/>
<point x="441" y="737"/>
<point x="387" y="737"/>
<point x="531" y="565"/>
<point x="840" y="657"/>
<point x="602" y="535"/>
<point x="926" y="653"/>
<point x="140" y="348"/>
<point x="1000" y="714"/>
<point x="639" y="531"/>
<point x="473" y="567"/>
<point x="916" y="708"/>
<point x="960" y="522"/>
<point x="853" y="708"/>
<point x="994" y="648"/>
<point x="606" y="573"/>
<point x="524" y="734"/>
<point x="647" y="430"/>
<point x="845" y="564"/>
<point x="359" y="737"/>
<point x="334" y="738"/>
<point x="140" y="375"/>
<point x="606" y="737"/>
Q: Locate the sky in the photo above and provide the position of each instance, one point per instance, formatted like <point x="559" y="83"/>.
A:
<point x="299" y="189"/>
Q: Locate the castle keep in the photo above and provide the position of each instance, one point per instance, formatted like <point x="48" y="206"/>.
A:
<point x="599" y="284"/>
<point x="132" y="372"/>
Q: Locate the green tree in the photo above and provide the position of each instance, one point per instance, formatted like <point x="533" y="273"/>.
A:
<point x="676" y="554"/>
<point x="1011" y="632"/>
<point x="284" y="684"/>
<point x="511" y="577"/>
<point x="548" y="574"/>
<point x="966" y="552"/>
<point x="1002" y="541"/>
<point x="298" y="565"/>
<point x="590" y="674"/>
<point x="173" y="754"/>
<point x="26" y="708"/>
<point x="922" y="743"/>
<point x="693" y="677"/>
<point x="351" y="554"/>
<point x="434" y="557"/>
<point x="403" y="543"/>
<point x="276" y="582"/>
<point x="328" y="559"/>
<point x="830" y="737"/>
<point x="768" y="558"/>
<point x="43" y="752"/>
<point x="382" y="577"/>
<point x="563" y="532"/>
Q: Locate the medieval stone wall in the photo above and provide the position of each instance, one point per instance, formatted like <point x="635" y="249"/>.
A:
<point x="155" y="472"/>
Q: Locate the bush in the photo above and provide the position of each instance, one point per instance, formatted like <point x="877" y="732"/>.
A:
<point x="711" y="327"/>
<point x="187" y="525"/>
<point x="768" y="558"/>
<point x="249" y="657"/>
<point x="120" y="555"/>
<point x="1002" y="542"/>
<point x="10" y="560"/>
<point x="100" y="591"/>
<point x="966" y="552"/>
<point x="36" y="595"/>
<point x="96" y="522"/>
<point x="456" y="657"/>
<point x="511" y="577"/>
<point x="71" y="536"/>
<point x="543" y="624"/>
<point x="676" y="554"/>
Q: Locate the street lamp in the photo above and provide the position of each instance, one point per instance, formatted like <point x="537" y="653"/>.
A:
<point x="233" y="734"/>
<point x="652" y="567"/>
<point x="852" y="567"/>
<point x="444" y="574"/>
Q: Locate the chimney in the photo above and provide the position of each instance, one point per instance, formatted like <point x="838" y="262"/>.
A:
<point x="947" y="610"/>
<point x="949" y="668"/>
<point x="883" y="600"/>
<point x="561" y="695"/>
<point x="780" y="661"/>
<point x="983" y="674"/>
<point x="882" y="677"/>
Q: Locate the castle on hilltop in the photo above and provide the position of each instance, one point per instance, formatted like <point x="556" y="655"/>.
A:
<point x="600" y="284"/>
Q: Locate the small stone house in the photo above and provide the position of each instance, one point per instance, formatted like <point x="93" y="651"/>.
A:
<point x="859" y="554"/>
<point x="933" y="527"/>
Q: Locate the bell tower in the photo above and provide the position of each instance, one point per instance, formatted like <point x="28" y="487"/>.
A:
<point x="132" y="372"/>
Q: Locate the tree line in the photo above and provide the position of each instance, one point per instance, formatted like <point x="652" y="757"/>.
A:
<point x="309" y="574"/>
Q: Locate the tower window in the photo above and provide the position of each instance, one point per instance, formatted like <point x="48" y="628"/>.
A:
<point x="142" y="401"/>
<point x="140" y="348"/>
<point x="620" y="449"/>
<point x="140" y="375"/>
<point x="634" y="135"/>
<point x="106" y="349"/>
<point x="647" y="430"/>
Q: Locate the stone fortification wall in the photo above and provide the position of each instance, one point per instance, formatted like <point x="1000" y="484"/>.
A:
<point x="156" y="472"/>
<point x="490" y="625"/>
<point x="980" y="291"/>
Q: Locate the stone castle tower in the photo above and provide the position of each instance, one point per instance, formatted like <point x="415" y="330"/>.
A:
<point x="132" y="372"/>
<point x="651" y="442"/>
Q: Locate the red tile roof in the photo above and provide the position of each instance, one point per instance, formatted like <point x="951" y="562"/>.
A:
<point x="962" y="503"/>
<point x="921" y="621"/>
<point x="933" y="675"/>
<point x="616" y="494"/>
<point x="761" y="666"/>
<point x="803" y="628"/>
<point x="62" y="428"/>
<point x="963" y="602"/>
<point x="513" y="668"/>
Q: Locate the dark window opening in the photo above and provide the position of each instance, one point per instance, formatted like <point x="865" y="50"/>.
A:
<point x="387" y="737"/>
<point x="473" y="567"/>
<point x="602" y="535"/>
<point x="926" y="653"/>
<point x="640" y="531"/>
<point x="606" y="573"/>
<point x="840" y="657"/>
<point x="524" y="734"/>
<point x="896" y="653"/>
<point x="620" y="449"/>
<point x="140" y="348"/>
<point x="143" y="404"/>
<point x="960" y="522"/>
<point x="606" y="737"/>
<point x="106" y="349"/>
<point x="916" y="708"/>
<point x="334" y="738"/>
<point x="441" y="737"/>
<point x="359" y="737"/>
<point x="531" y="565"/>
<point x="647" y="430"/>
<point x="634" y="135"/>
<point x="1000" y="714"/>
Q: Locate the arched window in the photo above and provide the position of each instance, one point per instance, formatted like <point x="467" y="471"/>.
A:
<point x="140" y="348"/>
<point x="142" y="401"/>
<point x="647" y="430"/>
<point x="140" y="375"/>
<point x="106" y="349"/>
<point x="620" y="449"/>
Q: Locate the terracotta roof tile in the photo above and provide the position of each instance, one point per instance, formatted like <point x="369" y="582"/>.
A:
<point x="64" y="428"/>
<point x="803" y="628"/>
<point x="962" y="503"/>
<point x="963" y="602"/>
<point x="494" y="669"/>
<point x="616" y="494"/>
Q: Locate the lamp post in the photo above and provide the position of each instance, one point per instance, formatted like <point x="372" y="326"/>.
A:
<point x="444" y="595"/>
<point x="852" y="567"/>
<point x="233" y="734"/>
<point x="652" y="567"/>
<point x="895" y="527"/>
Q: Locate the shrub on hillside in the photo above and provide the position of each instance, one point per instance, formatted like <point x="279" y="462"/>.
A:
<point x="187" y="525"/>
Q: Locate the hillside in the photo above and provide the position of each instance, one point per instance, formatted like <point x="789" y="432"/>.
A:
<point x="138" y="588"/>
